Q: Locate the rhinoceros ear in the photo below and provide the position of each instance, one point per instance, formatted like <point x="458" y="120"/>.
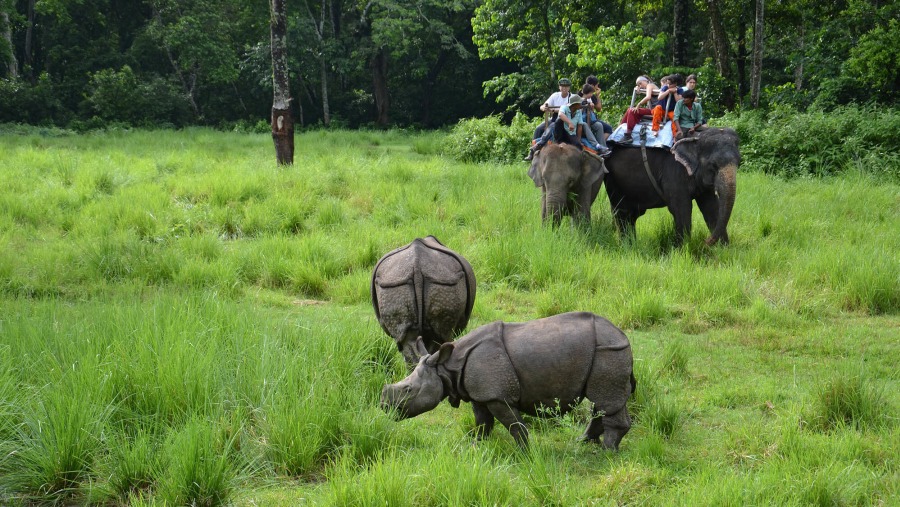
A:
<point x="441" y="356"/>
<point x="421" y="349"/>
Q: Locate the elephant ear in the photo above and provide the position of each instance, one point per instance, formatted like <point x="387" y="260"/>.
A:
<point x="592" y="168"/>
<point x="535" y="172"/>
<point x="685" y="152"/>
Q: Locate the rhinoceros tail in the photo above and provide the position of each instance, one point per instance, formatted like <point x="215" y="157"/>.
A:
<point x="633" y="383"/>
<point x="419" y="290"/>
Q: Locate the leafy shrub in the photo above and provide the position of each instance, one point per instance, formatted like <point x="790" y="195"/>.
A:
<point x="788" y="143"/>
<point x="488" y="140"/>
<point x="122" y="96"/>
<point x="36" y="104"/>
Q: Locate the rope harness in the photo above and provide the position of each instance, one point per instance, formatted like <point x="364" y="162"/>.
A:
<point x="643" y="136"/>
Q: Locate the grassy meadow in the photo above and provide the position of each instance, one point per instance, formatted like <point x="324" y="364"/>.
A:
<point x="183" y="322"/>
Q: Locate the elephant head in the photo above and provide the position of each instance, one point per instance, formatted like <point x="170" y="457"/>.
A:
<point x="713" y="158"/>
<point x="569" y="180"/>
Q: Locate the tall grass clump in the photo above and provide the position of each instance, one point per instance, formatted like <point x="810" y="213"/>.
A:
<point x="675" y="358"/>
<point x="663" y="416"/>
<point x="197" y="469"/>
<point x="133" y="463"/>
<point x="54" y="450"/>
<point x="848" y="400"/>
<point x="301" y="428"/>
<point x="384" y="482"/>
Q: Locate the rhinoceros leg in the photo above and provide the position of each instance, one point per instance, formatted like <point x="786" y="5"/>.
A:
<point x="512" y="419"/>
<point x="615" y="427"/>
<point x="595" y="427"/>
<point x="484" y="420"/>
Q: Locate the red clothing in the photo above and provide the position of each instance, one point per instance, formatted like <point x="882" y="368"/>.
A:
<point x="633" y="116"/>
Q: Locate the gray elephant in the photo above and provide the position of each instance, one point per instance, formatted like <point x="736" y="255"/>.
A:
<point x="569" y="179"/>
<point x="505" y="370"/>
<point x="701" y="168"/>
<point x="422" y="289"/>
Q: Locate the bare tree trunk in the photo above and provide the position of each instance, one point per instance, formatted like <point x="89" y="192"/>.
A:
<point x="12" y="67"/>
<point x="323" y="57"/>
<point x="548" y="39"/>
<point x="680" y="32"/>
<point x="382" y="96"/>
<point x="741" y="59"/>
<point x="756" y="78"/>
<point x="801" y="45"/>
<point x="29" y="42"/>
<point x="326" y="111"/>
<point x="720" y="45"/>
<point x="282" y="120"/>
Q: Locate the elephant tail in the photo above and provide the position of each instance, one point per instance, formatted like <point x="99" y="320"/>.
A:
<point x="633" y="382"/>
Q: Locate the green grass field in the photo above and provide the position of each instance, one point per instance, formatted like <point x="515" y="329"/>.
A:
<point x="183" y="322"/>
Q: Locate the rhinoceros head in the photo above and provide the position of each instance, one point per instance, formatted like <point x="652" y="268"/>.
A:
<point x="422" y="390"/>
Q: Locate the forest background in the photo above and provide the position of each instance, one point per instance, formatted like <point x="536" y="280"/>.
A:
<point x="90" y="64"/>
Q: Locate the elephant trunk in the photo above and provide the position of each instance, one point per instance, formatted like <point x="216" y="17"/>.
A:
<point x="555" y="205"/>
<point x="726" y="188"/>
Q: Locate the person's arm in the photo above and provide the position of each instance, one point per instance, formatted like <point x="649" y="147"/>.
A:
<point x="546" y="103"/>
<point x="566" y="119"/>
<point x="647" y="97"/>
<point x="697" y="114"/>
<point x="676" y="118"/>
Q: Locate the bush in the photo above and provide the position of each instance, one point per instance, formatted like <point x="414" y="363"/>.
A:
<point x="488" y="140"/>
<point x="785" y="142"/>
<point x="37" y="104"/>
<point x="121" y="96"/>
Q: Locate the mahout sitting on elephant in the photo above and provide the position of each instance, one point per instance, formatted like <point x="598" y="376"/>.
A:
<point x="701" y="168"/>
<point x="506" y="369"/>
<point x="423" y="289"/>
<point x="569" y="179"/>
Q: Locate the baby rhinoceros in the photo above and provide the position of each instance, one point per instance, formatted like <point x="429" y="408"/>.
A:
<point x="422" y="289"/>
<point x="506" y="369"/>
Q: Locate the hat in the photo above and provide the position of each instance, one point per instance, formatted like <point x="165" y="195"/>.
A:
<point x="565" y="82"/>
<point x="575" y="99"/>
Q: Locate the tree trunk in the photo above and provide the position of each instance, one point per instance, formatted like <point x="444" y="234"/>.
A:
<point x="801" y="46"/>
<point x="29" y="42"/>
<point x="12" y="70"/>
<point x="741" y="59"/>
<point x="756" y="78"/>
<point x="326" y="111"/>
<point x="548" y="39"/>
<point x="680" y="34"/>
<point x="431" y="84"/>
<point x="282" y="120"/>
<point x="720" y="45"/>
<point x="379" y="66"/>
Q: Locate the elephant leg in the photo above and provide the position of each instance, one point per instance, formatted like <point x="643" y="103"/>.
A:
<point x="709" y="207"/>
<point x="543" y="204"/>
<point x="625" y="221"/>
<point x="484" y="420"/>
<point x="584" y="208"/>
<point x="512" y="419"/>
<point x="681" y="212"/>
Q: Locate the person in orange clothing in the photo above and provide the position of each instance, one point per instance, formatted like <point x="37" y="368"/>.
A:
<point x="669" y="95"/>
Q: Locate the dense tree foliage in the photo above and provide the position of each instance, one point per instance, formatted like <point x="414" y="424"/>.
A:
<point x="427" y="63"/>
